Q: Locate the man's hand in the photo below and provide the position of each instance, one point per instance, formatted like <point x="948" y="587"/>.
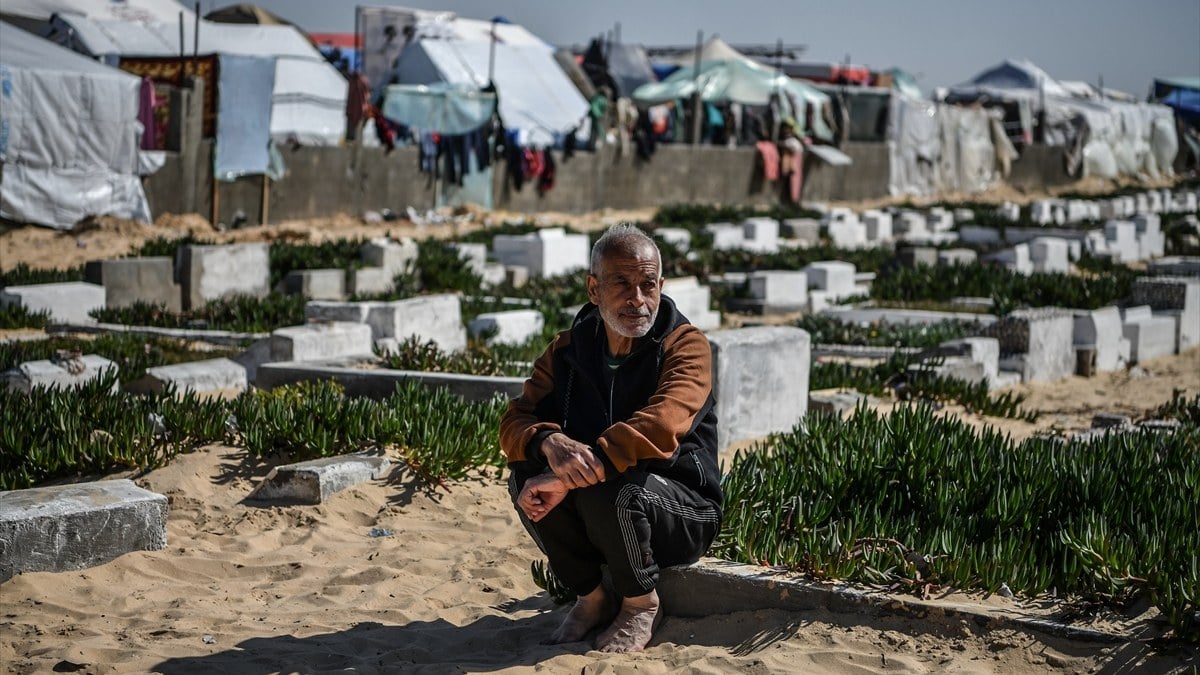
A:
<point x="571" y="461"/>
<point x="540" y="495"/>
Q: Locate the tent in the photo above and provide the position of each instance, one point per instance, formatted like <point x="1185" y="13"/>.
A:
<point x="69" y="135"/>
<point x="537" y="99"/>
<point x="620" y="67"/>
<point x="308" y="94"/>
<point x="731" y="77"/>
<point x="1106" y="137"/>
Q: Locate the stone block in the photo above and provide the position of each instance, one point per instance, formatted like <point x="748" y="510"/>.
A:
<point x="979" y="234"/>
<point x="1151" y="245"/>
<point x="1010" y="211"/>
<point x="779" y="288"/>
<point x="475" y="255"/>
<point x="913" y="256"/>
<point x="1173" y="294"/>
<point x="208" y="272"/>
<point x="963" y="216"/>
<point x="56" y="373"/>
<point x="316" y="481"/>
<point x="807" y="230"/>
<point x="131" y="280"/>
<point x="494" y="274"/>
<point x="694" y="301"/>
<point x="835" y="402"/>
<point x="760" y="235"/>
<point x="395" y="257"/>
<point x="427" y="317"/>
<point x="677" y="237"/>
<point x="761" y="380"/>
<point x="513" y="327"/>
<point x="1175" y="266"/>
<point x="1016" y="259"/>
<point x="1101" y="330"/>
<point x="210" y="375"/>
<point x="369" y="281"/>
<point x="1043" y="337"/>
<point x="1150" y="338"/>
<point x="1050" y="254"/>
<point x="984" y="351"/>
<point x="911" y="224"/>
<point x="1121" y="238"/>
<point x="71" y="527"/>
<point x="546" y="253"/>
<point x="849" y="234"/>
<point x="726" y="236"/>
<point x="957" y="256"/>
<point x="1147" y="222"/>
<point x="950" y="367"/>
<point x="67" y="302"/>
<point x="321" y="341"/>
<point x="939" y="220"/>
<point x="878" y="226"/>
<point x="326" y="284"/>
<point x="834" y="277"/>
<point x="516" y="275"/>
<point x="1135" y="313"/>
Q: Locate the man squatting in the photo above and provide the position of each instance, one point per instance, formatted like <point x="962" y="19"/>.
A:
<point x="612" y="446"/>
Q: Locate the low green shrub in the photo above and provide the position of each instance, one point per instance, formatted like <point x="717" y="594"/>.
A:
<point x="132" y="354"/>
<point x="826" y="329"/>
<point x="24" y="275"/>
<point x="239" y="314"/>
<point x="918" y="500"/>
<point x="16" y="316"/>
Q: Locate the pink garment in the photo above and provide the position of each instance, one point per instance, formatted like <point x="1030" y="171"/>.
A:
<point x="770" y="159"/>
<point x="146" y="103"/>
<point x="797" y="177"/>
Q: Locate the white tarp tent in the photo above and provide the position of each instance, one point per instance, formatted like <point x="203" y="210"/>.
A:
<point x="69" y="135"/>
<point x="309" y="95"/>
<point x="537" y="99"/>
<point x="936" y="147"/>
<point x="1110" y="137"/>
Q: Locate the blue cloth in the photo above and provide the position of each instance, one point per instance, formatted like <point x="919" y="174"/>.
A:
<point x="243" y="116"/>
<point x="438" y="107"/>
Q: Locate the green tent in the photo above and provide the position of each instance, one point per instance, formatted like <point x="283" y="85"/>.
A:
<point x="737" y="80"/>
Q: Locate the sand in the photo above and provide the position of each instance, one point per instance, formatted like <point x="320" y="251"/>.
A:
<point x="250" y="589"/>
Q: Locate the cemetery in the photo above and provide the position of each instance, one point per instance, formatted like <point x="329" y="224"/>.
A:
<point x="834" y="334"/>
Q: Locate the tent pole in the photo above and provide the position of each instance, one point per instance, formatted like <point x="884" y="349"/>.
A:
<point x="492" y="55"/>
<point x="266" y="200"/>
<point x="196" y="39"/>
<point x="696" y="88"/>
<point x="182" y="52"/>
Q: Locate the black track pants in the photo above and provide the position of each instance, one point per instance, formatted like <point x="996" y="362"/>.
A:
<point x="635" y="523"/>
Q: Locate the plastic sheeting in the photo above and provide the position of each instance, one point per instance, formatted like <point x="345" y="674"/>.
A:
<point x="737" y="80"/>
<point x="941" y="148"/>
<point x="309" y="95"/>
<point x="439" y="107"/>
<point x="69" y="135"/>
<point x="244" y="109"/>
<point x="536" y="97"/>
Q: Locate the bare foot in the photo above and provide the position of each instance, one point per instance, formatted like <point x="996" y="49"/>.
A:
<point x="589" y="611"/>
<point x="634" y="626"/>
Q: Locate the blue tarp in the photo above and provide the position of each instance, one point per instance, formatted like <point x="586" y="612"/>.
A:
<point x="244" y="116"/>
<point x="438" y="107"/>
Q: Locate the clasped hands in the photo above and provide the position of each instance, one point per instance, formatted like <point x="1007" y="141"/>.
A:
<point x="572" y="465"/>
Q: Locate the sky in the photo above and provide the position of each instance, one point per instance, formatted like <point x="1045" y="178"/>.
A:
<point x="941" y="42"/>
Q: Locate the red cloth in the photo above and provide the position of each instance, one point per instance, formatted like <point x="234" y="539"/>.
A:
<point x="358" y="105"/>
<point x="770" y="159"/>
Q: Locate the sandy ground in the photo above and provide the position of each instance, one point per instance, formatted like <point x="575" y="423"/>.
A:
<point x="247" y="589"/>
<point x="250" y="589"/>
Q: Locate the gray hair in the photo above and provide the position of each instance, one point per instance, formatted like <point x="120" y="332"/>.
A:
<point x="623" y="239"/>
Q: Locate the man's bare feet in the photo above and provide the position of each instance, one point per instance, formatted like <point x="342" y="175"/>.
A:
<point x="634" y="626"/>
<point x="589" y="611"/>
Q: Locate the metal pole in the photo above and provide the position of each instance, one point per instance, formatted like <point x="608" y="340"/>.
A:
<point x="265" y="212"/>
<point x="358" y="36"/>
<point x="696" y="87"/>
<point x="182" y="63"/>
<point x="196" y="39"/>
<point x="492" y="55"/>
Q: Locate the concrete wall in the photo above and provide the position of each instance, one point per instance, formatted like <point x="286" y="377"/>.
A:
<point x="1040" y="166"/>
<point x="351" y="179"/>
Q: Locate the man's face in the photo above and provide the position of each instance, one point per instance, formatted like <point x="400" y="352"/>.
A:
<point x="627" y="290"/>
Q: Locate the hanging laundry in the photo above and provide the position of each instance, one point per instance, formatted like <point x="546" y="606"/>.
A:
<point x="549" y="171"/>
<point x="769" y="156"/>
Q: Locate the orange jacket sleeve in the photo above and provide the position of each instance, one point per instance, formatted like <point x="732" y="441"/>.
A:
<point x="520" y="424"/>
<point x="683" y="389"/>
